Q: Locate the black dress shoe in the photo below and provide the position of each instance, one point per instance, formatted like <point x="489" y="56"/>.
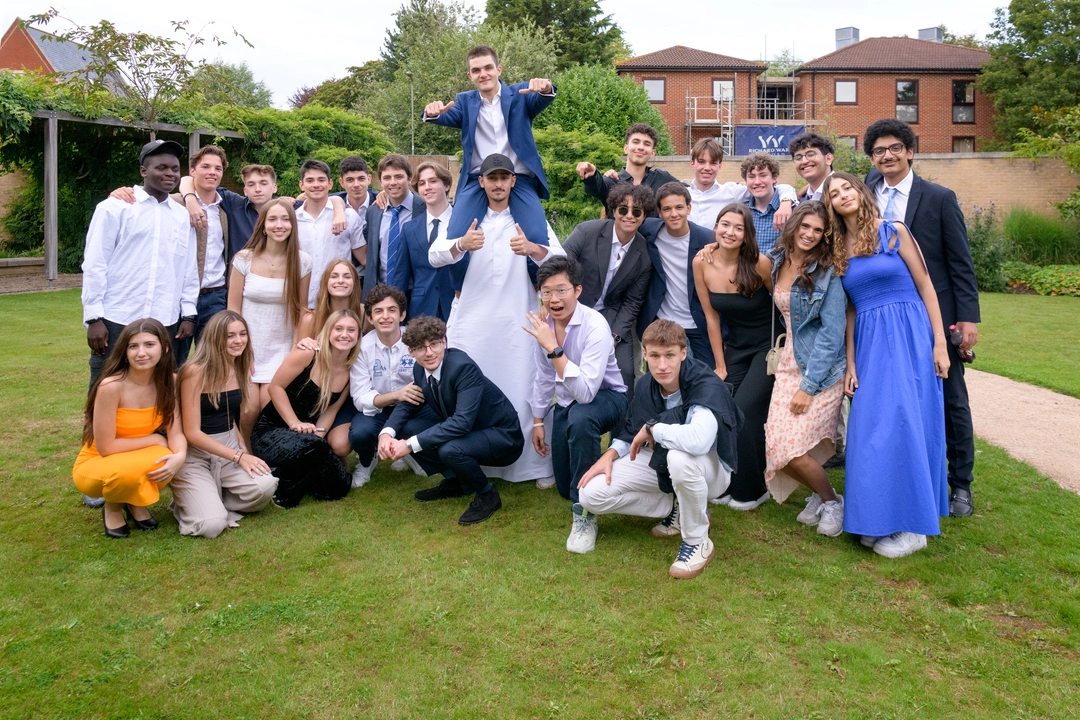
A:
<point x="481" y="508"/>
<point x="960" y="503"/>
<point x="448" y="488"/>
<point x="150" y="524"/>
<point x="120" y="532"/>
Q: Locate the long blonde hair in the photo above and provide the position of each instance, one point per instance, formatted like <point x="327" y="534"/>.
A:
<point x="212" y="359"/>
<point x="324" y="361"/>
<point x="294" y="304"/>
<point x="323" y="300"/>
<point x="864" y="230"/>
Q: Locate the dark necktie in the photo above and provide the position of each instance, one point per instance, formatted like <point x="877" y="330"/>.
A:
<point x="435" y="398"/>
<point x="392" y="238"/>
<point x="434" y="231"/>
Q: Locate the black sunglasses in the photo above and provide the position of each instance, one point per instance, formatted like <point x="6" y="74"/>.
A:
<point x="623" y="210"/>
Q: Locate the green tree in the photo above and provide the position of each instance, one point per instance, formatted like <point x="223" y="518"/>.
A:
<point x="417" y="24"/>
<point x="560" y="151"/>
<point x="783" y="64"/>
<point x="1035" y="62"/>
<point x="1058" y="136"/>
<point x="970" y="40"/>
<point x="353" y="91"/>
<point x="226" y="83"/>
<point x="583" y="34"/>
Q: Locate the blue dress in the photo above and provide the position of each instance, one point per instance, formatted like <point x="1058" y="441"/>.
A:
<point x="896" y="477"/>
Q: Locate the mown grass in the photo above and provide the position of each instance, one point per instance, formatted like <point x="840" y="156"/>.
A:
<point x="378" y="606"/>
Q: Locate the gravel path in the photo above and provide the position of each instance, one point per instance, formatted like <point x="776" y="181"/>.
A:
<point x="1035" y="425"/>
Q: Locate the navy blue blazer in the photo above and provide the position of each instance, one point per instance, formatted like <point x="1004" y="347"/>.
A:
<point x="371" y="234"/>
<point x="467" y="402"/>
<point x="430" y="290"/>
<point x="344" y="195"/>
<point x="699" y="238"/>
<point x="935" y="220"/>
<point x="518" y="110"/>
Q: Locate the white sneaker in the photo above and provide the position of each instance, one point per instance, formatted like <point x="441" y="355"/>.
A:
<point x="399" y="465"/>
<point x="361" y="475"/>
<point x="749" y="504"/>
<point x="545" y="483"/>
<point x="583" y="534"/>
<point x="812" y="513"/>
<point x="722" y="500"/>
<point x="832" y="517"/>
<point x="692" y="559"/>
<point x="410" y="461"/>
<point x="900" y="544"/>
<point x="669" y="526"/>
<point x="869" y="540"/>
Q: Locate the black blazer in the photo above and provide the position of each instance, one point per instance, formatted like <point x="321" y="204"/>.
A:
<point x="468" y="401"/>
<point x="599" y="185"/>
<point x="590" y="246"/>
<point x="699" y="238"/>
<point x="430" y="290"/>
<point x="935" y="220"/>
<point x="371" y="234"/>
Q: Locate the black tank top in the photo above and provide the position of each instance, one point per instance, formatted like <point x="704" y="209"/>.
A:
<point x="221" y="418"/>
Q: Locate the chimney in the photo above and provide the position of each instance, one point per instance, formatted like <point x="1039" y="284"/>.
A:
<point x="934" y="34"/>
<point x="846" y="36"/>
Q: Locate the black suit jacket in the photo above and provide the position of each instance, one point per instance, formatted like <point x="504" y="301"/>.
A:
<point x="699" y="238"/>
<point x="467" y="402"/>
<point x="933" y="215"/>
<point x="371" y="234"/>
<point x="590" y="246"/>
<point x="599" y="185"/>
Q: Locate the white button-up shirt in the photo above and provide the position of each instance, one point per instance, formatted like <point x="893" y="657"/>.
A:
<point x="444" y="222"/>
<point x="497" y="227"/>
<point x="412" y="442"/>
<point x="675" y="259"/>
<point x="618" y="254"/>
<point x="318" y="240"/>
<point x="379" y="369"/>
<point x="140" y="262"/>
<point x="491" y="135"/>
<point x="214" y="264"/>
<point x="705" y="205"/>
<point x="903" y="192"/>
<point x="404" y="215"/>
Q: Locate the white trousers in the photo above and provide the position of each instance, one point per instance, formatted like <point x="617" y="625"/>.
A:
<point x="634" y="490"/>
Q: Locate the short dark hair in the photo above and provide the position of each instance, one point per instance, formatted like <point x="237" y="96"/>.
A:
<point x="559" y="265"/>
<point x="672" y="188"/>
<point x="379" y="293"/>
<point x="394" y="160"/>
<point x="208" y="150"/>
<point x="481" y="51"/>
<point x="888" y="126"/>
<point x="422" y="330"/>
<point x="707" y="146"/>
<point x="811" y="140"/>
<point x="643" y="129"/>
<point x="316" y="165"/>
<point x="642" y="195"/>
<point x="352" y="163"/>
<point x="760" y="160"/>
<point x="664" y="333"/>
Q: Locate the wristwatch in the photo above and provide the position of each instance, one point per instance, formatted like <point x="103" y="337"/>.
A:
<point x="617" y="338"/>
<point x="91" y="321"/>
<point x="556" y="353"/>
<point x="649" y="424"/>
<point x="189" y="318"/>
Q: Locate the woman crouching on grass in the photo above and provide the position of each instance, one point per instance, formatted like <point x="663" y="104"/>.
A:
<point x="220" y="479"/>
<point x="133" y="442"/>
<point x="805" y="408"/>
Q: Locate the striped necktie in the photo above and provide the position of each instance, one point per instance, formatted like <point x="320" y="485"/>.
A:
<point x="392" y="238"/>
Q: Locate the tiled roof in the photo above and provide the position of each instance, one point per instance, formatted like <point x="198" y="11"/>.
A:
<point x="902" y="54"/>
<point x="684" y="58"/>
<point x="62" y="55"/>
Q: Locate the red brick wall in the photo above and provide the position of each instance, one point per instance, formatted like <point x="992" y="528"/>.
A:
<point x="18" y="52"/>
<point x="877" y="99"/>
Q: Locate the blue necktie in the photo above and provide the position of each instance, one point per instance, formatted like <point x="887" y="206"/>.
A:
<point x="890" y="206"/>
<point x="392" y="238"/>
<point x="434" y="231"/>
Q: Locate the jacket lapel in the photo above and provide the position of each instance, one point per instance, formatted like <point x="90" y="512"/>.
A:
<point x="506" y="95"/>
<point x="603" y="252"/>
<point x="631" y="264"/>
<point x="913" y="199"/>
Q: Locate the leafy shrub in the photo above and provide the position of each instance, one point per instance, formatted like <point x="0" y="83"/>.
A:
<point x="1041" y="239"/>
<point x="988" y="249"/>
<point x="1050" y="280"/>
<point x="560" y="151"/>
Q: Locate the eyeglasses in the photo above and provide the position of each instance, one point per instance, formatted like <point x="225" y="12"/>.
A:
<point x="895" y="149"/>
<point x="431" y="346"/>
<point x="624" y="209"/>
<point x="557" y="292"/>
<point x="808" y="155"/>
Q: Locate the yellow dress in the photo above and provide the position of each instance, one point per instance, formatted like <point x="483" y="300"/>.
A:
<point x="121" y="477"/>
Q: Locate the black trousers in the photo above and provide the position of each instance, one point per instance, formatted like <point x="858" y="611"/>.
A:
<point x="494" y="447"/>
<point x="959" y="431"/>
<point x="752" y="392"/>
<point x="97" y="362"/>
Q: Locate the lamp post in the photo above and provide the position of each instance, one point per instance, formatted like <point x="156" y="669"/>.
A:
<point x="412" y="113"/>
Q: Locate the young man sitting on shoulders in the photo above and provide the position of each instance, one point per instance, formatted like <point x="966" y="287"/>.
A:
<point x="674" y="452"/>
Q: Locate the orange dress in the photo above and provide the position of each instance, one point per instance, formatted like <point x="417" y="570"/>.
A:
<point x="121" y="477"/>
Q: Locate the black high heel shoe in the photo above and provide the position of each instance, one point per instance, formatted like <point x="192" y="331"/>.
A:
<point x="150" y="524"/>
<point x="115" y="533"/>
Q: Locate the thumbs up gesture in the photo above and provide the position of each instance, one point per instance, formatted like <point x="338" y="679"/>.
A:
<point x="473" y="239"/>
<point x="436" y="108"/>
<point x="537" y="85"/>
<point x="519" y="244"/>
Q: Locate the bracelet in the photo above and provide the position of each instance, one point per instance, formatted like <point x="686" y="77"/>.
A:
<point x="538" y="424"/>
<point x="239" y="454"/>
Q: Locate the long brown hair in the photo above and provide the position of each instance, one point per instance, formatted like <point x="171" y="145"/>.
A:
<point x="823" y="253"/>
<point x="864" y="230"/>
<point x="324" y="361"/>
<point x="212" y="359"/>
<point x="164" y="379"/>
<point x="747" y="280"/>
<point x="295" y="305"/>
<point x="322" y="300"/>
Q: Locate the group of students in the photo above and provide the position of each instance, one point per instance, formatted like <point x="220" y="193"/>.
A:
<point x="494" y="350"/>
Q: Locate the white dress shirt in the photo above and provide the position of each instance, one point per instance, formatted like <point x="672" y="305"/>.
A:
<point x="705" y="205"/>
<point x="618" y="254"/>
<point x="903" y="192"/>
<point x="214" y="264"/>
<point x="590" y="364"/>
<point x="491" y="135"/>
<point x="404" y="215"/>
<point x="675" y="259"/>
<point x="379" y="369"/>
<point x="696" y="436"/>
<point x="318" y="240"/>
<point x="140" y="262"/>
<point x="444" y="222"/>
<point x="498" y="228"/>
<point x="814" y="193"/>
<point x="412" y="442"/>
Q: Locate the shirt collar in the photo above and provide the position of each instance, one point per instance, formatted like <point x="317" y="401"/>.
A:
<point x="379" y="343"/>
<point x="815" y="190"/>
<point x="436" y="373"/>
<point x="501" y="213"/>
<point x="576" y="319"/>
<point x="142" y="196"/>
<point x="497" y="100"/>
<point x="903" y="187"/>
<point x="615" y="239"/>
<point x="444" y="218"/>
<point x="774" y="204"/>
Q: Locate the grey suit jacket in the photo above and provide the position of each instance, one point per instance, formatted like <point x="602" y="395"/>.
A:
<point x="371" y="234"/>
<point x="590" y="246"/>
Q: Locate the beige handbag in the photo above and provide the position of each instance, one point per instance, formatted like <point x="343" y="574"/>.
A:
<point x="772" y="359"/>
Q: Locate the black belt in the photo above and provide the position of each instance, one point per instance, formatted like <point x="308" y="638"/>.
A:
<point x="207" y="291"/>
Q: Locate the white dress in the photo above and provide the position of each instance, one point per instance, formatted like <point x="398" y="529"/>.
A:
<point x="269" y="329"/>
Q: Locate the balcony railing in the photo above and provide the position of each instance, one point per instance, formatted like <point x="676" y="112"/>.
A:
<point x="708" y="110"/>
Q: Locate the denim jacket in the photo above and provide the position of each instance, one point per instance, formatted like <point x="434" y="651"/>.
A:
<point x="819" y="322"/>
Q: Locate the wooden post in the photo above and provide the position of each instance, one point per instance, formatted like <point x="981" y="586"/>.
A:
<point x="192" y="145"/>
<point x="50" y="200"/>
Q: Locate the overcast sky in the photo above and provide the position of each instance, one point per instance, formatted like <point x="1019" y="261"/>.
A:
<point x="299" y="43"/>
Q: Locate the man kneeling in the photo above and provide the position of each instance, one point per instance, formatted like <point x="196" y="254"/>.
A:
<point x="679" y="437"/>
<point x="474" y="423"/>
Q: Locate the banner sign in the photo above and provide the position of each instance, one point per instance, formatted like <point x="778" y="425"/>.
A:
<point x="750" y="139"/>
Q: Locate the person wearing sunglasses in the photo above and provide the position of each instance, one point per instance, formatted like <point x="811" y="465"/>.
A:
<point x="615" y="267"/>
<point x="813" y="157"/>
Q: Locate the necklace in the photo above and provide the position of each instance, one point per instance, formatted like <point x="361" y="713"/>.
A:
<point x="145" y="384"/>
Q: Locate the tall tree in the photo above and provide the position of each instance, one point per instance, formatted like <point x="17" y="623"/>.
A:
<point x="353" y="91"/>
<point x="970" y="40"/>
<point x="223" y="83"/>
<point x="417" y="23"/>
<point x="583" y="34"/>
<point x="301" y="97"/>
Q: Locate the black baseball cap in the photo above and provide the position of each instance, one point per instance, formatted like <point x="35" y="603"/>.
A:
<point x="159" y="147"/>
<point x="494" y="162"/>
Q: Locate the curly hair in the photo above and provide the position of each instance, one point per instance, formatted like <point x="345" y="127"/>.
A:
<point x="864" y="229"/>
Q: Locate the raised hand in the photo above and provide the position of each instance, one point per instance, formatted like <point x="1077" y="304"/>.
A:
<point x="585" y="170"/>
<point x="536" y="85"/>
<point x="437" y="108"/>
<point x="519" y="244"/>
<point x="473" y="239"/>
<point x="540" y="330"/>
<point x="612" y="174"/>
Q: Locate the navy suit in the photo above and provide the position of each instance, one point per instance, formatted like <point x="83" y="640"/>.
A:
<point x="430" y="290"/>
<point x="371" y="234"/>
<point x="698" y="338"/>
<point x="933" y="215"/>
<point x="477" y="425"/>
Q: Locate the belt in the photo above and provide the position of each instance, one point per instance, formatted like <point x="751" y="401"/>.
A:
<point x="207" y="291"/>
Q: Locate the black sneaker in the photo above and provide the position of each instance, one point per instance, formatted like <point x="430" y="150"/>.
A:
<point x="481" y="508"/>
<point x="448" y="488"/>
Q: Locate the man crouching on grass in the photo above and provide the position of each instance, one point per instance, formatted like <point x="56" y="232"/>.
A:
<point x="675" y="451"/>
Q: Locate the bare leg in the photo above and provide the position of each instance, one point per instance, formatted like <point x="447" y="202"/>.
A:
<point x="114" y="515"/>
<point x="339" y="443"/>
<point x="139" y="512"/>
<point x="809" y="472"/>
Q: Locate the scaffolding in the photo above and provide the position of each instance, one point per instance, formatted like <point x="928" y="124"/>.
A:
<point x="724" y="113"/>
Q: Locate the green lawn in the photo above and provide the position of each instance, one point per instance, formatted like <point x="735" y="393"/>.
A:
<point x="1031" y="338"/>
<point x="378" y="606"/>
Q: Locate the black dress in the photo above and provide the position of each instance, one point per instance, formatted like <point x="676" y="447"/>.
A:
<point x="749" y="325"/>
<point x="303" y="462"/>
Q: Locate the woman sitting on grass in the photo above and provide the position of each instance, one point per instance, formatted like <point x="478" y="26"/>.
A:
<point x="220" y="479"/>
<point x="133" y="443"/>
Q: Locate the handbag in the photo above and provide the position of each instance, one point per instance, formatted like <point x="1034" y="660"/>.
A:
<point x="772" y="358"/>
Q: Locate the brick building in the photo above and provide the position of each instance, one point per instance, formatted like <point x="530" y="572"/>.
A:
<point x="27" y="48"/>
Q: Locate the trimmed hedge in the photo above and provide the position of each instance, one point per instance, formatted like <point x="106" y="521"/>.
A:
<point x="1049" y="280"/>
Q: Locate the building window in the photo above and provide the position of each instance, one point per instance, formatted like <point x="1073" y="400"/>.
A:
<point x="907" y="100"/>
<point x="848" y="140"/>
<point x="963" y="101"/>
<point x="654" y="88"/>
<point x="723" y="90"/>
<point x="846" y="92"/>
<point x="963" y="144"/>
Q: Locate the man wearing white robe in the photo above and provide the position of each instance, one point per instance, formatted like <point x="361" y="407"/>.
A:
<point x="497" y="292"/>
